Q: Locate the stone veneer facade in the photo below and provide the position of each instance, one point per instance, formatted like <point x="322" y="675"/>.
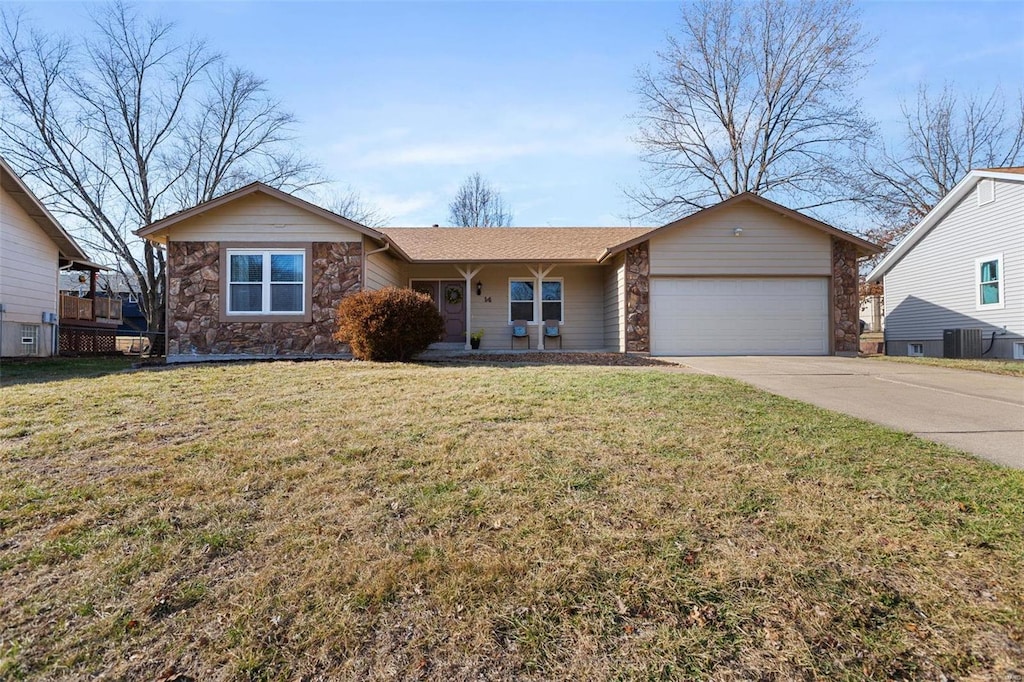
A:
<point x="845" y="299"/>
<point x="638" y="298"/>
<point x="194" y="324"/>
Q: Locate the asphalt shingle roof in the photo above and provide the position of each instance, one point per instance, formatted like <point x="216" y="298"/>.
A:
<point x="473" y="244"/>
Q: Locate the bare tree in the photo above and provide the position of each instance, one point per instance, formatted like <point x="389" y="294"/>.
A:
<point x="945" y="135"/>
<point x="131" y="124"/>
<point x="477" y="204"/>
<point x="351" y="204"/>
<point x="753" y="96"/>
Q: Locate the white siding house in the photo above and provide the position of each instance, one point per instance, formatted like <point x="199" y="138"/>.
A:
<point x="962" y="267"/>
<point x="33" y="247"/>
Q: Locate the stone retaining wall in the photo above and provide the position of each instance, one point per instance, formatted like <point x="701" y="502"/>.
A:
<point x="194" y="324"/>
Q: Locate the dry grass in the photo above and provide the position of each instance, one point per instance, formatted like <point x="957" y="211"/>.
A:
<point x="1013" y="368"/>
<point x="336" y="520"/>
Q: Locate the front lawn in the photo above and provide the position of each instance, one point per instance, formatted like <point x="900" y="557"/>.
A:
<point x="333" y="520"/>
<point x="1013" y="368"/>
<point x="38" y="370"/>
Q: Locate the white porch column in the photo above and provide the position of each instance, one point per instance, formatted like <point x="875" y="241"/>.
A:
<point x="469" y="275"/>
<point x="540" y="272"/>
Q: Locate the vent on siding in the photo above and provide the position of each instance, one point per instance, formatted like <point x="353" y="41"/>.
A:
<point x="986" y="191"/>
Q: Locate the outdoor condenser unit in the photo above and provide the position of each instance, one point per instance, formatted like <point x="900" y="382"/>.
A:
<point x="961" y="343"/>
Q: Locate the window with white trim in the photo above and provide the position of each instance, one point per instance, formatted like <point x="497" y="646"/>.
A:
<point x="988" y="274"/>
<point x="266" y="282"/>
<point x="521" y="295"/>
<point x="1018" y="350"/>
<point x="915" y="350"/>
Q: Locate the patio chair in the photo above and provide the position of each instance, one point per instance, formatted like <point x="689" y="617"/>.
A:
<point x="520" y="331"/>
<point x="552" y="331"/>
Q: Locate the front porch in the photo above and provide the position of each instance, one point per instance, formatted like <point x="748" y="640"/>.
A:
<point x="483" y="297"/>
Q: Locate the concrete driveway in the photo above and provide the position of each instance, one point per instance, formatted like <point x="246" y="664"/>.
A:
<point x="979" y="413"/>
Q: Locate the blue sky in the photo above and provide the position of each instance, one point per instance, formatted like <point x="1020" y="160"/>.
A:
<point x="402" y="101"/>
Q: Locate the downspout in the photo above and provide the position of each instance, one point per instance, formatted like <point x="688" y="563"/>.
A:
<point x="366" y="261"/>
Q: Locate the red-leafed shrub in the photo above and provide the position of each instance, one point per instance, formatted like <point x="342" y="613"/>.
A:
<point x="388" y="325"/>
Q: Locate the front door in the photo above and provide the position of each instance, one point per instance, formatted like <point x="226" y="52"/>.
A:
<point x="453" y="310"/>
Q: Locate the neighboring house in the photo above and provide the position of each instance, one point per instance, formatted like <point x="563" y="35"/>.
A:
<point x="961" y="267"/>
<point x="109" y="285"/>
<point x="872" y="316"/>
<point x="34" y="248"/>
<point x="258" y="272"/>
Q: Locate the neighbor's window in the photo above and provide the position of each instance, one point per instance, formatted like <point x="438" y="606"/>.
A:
<point x="520" y="299"/>
<point x="915" y="349"/>
<point x="1018" y="350"/>
<point x="990" y="279"/>
<point x="266" y="282"/>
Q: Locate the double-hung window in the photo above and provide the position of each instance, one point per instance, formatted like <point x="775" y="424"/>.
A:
<point x="266" y="282"/>
<point x="521" y="299"/>
<point x="989" y="281"/>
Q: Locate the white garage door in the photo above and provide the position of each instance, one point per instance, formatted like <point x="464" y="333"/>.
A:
<point x="739" y="316"/>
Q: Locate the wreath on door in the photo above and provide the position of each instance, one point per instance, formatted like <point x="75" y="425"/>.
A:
<point x="453" y="295"/>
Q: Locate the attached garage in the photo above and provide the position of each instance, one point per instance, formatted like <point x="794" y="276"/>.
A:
<point x="739" y="316"/>
<point x="744" y="277"/>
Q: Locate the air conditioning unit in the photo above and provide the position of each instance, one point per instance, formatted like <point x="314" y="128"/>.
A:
<point x="961" y="343"/>
<point x="49" y="318"/>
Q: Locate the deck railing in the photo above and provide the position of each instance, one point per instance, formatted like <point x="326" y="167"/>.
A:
<point x="75" y="308"/>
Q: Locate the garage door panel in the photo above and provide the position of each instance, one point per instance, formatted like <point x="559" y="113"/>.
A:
<point x="739" y="316"/>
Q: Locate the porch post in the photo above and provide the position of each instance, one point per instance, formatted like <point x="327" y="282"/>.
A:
<point x="538" y="307"/>
<point x="469" y="275"/>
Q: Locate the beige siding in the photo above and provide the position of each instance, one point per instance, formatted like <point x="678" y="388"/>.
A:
<point x="28" y="276"/>
<point x="382" y="270"/>
<point x="615" y="305"/>
<point x="261" y="218"/>
<point x="770" y="244"/>
<point x="583" y="292"/>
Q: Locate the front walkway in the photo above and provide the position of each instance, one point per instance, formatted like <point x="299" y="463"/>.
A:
<point x="979" y="413"/>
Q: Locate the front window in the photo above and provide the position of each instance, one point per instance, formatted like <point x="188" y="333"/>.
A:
<point x="551" y="300"/>
<point x="989" y="281"/>
<point x="266" y="282"/>
<point x="521" y="293"/>
<point x="520" y="300"/>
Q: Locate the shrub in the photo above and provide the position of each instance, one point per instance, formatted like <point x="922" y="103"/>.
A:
<point x="388" y="325"/>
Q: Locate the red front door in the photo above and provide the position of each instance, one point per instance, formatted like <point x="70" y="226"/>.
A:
<point x="453" y="310"/>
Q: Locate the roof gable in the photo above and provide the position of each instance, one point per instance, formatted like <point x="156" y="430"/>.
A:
<point x="155" y="230"/>
<point x="69" y="249"/>
<point x="935" y="216"/>
<point x="864" y="247"/>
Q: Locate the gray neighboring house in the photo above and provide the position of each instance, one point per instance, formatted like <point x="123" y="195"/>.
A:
<point x="961" y="267"/>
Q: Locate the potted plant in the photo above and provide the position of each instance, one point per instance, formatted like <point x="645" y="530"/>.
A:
<point x="474" y="338"/>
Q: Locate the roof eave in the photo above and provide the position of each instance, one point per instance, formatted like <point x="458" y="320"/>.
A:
<point x="30" y="203"/>
<point x="500" y="261"/>
<point x="920" y="230"/>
